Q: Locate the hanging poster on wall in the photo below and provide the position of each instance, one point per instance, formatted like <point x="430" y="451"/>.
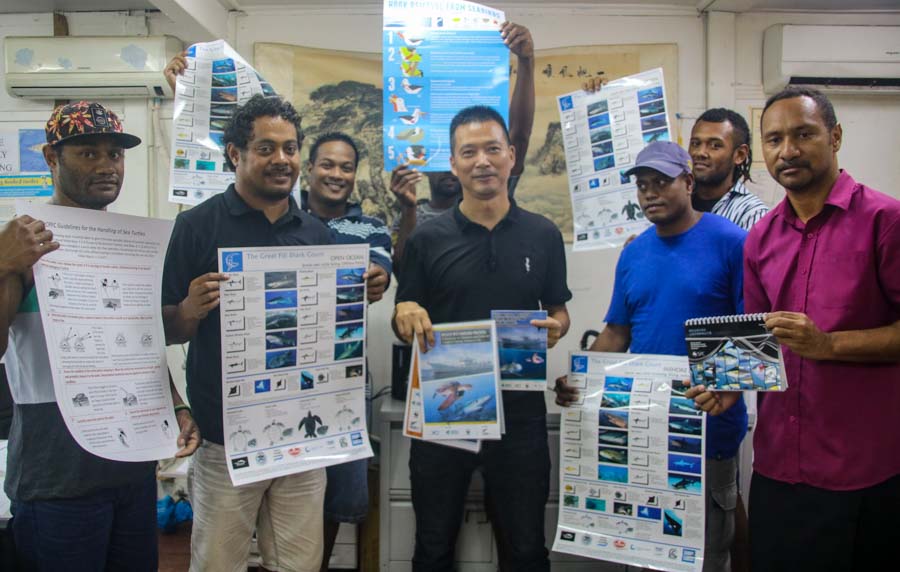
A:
<point x="23" y="172"/>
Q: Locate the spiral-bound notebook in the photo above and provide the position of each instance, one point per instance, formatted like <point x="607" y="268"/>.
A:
<point x="734" y="353"/>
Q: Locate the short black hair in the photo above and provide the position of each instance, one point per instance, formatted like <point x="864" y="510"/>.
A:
<point x="329" y="138"/>
<point x="239" y="129"/>
<point x="476" y="114"/>
<point x="740" y="136"/>
<point x="823" y="104"/>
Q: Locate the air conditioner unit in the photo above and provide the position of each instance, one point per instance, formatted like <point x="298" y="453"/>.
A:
<point x="836" y="59"/>
<point x="88" y="67"/>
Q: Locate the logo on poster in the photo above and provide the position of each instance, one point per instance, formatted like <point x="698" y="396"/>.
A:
<point x="233" y="261"/>
<point x="579" y="364"/>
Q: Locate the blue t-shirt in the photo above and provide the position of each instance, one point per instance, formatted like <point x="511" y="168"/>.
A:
<point x="663" y="281"/>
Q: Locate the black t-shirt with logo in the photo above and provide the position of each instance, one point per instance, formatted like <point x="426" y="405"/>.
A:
<point x="459" y="270"/>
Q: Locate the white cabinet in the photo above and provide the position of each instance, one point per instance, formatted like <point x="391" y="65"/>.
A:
<point x="475" y="549"/>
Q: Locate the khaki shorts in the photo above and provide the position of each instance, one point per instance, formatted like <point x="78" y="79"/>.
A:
<point x="286" y="513"/>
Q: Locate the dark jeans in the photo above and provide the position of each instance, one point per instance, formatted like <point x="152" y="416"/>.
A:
<point x="516" y="473"/>
<point x="110" y="530"/>
<point x="795" y="528"/>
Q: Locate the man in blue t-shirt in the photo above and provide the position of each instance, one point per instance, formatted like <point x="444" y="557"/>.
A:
<point x="689" y="265"/>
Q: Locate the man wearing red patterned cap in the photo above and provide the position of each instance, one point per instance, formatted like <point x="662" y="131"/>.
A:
<point x="71" y="510"/>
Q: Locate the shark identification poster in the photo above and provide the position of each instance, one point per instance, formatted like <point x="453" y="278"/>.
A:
<point x="216" y="81"/>
<point x="602" y="134"/>
<point x="632" y="466"/>
<point x="293" y="322"/>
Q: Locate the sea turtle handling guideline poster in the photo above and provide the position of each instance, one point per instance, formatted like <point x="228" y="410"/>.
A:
<point x="439" y="56"/>
<point x="293" y="322"/>
<point x="454" y="388"/>
<point x="632" y="463"/>
<point x="522" y="349"/>
<point x="602" y="135"/>
<point x="99" y="299"/>
<point x="216" y="81"/>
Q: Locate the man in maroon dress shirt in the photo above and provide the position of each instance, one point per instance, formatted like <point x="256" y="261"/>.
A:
<point x="825" y="267"/>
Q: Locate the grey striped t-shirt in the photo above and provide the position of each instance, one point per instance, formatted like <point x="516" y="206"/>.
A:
<point x="740" y="206"/>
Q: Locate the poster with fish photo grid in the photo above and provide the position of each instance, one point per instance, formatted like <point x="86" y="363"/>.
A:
<point x="632" y="463"/>
<point x="439" y="56"/>
<point x="602" y="135"/>
<point x="293" y="325"/>
<point x="215" y="82"/>
<point x="521" y="349"/>
<point x="454" y="386"/>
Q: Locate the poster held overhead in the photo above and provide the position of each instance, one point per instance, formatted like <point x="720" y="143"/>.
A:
<point x="217" y="79"/>
<point x="438" y="58"/>
<point x="602" y="134"/>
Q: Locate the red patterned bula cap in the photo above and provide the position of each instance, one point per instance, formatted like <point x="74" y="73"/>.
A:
<point x="86" y="118"/>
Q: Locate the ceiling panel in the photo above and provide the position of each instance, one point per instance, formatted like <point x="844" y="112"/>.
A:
<point x="41" y="6"/>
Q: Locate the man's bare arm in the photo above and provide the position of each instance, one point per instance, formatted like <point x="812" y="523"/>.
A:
<point x="180" y="322"/>
<point x="521" y="104"/>
<point x="11" y="292"/>
<point x="403" y="184"/>
<point x="798" y="332"/>
<point x="613" y="338"/>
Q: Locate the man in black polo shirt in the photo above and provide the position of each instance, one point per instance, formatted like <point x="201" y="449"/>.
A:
<point x="485" y="254"/>
<point x="262" y="146"/>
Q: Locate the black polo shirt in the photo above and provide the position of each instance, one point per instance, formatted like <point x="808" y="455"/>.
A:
<point x="459" y="270"/>
<point x="223" y="221"/>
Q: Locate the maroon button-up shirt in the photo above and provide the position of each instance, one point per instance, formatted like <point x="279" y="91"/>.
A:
<point x="837" y="426"/>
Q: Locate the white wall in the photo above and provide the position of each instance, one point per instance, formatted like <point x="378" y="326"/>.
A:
<point x="870" y="141"/>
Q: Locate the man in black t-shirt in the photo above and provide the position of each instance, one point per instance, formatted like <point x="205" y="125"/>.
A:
<point x="262" y="146"/>
<point x="485" y="254"/>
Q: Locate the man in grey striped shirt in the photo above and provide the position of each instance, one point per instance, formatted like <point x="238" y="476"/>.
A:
<point x="720" y="160"/>
<point x="721" y="157"/>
